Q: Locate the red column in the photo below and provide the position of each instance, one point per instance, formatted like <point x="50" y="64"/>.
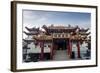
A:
<point x="56" y="47"/>
<point x="78" y="48"/>
<point x="52" y="51"/>
<point x="69" y="47"/>
<point x="42" y="50"/>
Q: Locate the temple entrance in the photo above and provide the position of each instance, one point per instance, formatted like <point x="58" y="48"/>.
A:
<point x="60" y="50"/>
<point x="61" y="44"/>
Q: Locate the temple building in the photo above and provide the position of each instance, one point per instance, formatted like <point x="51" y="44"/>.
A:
<point x="56" y="43"/>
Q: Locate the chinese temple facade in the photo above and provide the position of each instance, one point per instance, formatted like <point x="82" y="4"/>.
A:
<point x="44" y="44"/>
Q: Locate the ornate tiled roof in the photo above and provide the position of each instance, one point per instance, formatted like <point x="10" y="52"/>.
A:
<point x="31" y="33"/>
<point x="60" y="27"/>
<point x="61" y="31"/>
<point x="32" y="29"/>
<point x="83" y="30"/>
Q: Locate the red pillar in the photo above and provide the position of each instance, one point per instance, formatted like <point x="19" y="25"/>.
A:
<point x="52" y="51"/>
<point x="78" y="48"/>
<point x="69" y="47"/>
<point x="56" y="47"/>
<point x="42" y="50"/>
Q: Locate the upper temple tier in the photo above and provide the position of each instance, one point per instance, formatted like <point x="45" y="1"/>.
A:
<point x="50" y="32"/>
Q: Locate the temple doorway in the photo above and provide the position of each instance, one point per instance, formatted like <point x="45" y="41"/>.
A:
<point x="61" y="50"/>
<point x="61" y="44"/>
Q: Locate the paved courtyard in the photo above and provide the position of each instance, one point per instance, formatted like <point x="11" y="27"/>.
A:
<point x="61" y="55"/>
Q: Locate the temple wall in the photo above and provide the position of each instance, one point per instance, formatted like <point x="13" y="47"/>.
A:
<point x="83" y="49"/>
<point x="37" y="49"/>
<point x="33" y="48"/>
<point x="74" y="49"/>
<point x="46" y="47"/>
<point x="30" y="37"/>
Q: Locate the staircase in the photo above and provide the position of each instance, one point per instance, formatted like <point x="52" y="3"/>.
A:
<point x="60" y="55"/>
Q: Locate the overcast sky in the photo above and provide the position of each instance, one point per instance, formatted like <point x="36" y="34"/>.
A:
<point x="37" y="18"/>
